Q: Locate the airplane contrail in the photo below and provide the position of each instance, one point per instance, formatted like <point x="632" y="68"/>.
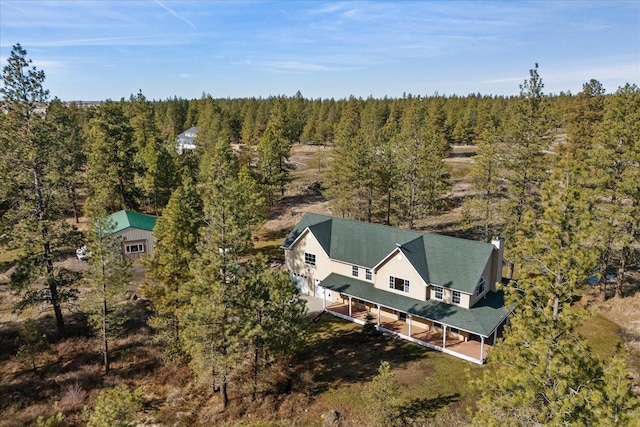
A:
<point x="174" y="14"/>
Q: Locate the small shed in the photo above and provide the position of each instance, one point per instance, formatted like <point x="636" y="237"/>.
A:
<point x="136" y="229"/>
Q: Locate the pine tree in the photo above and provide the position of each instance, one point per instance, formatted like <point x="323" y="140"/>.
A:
<point x="585" y="117"/>
<point x="273" y="316"/>
<point x="274" y="150"/>
<point x="111" y="157"/>
<point x="544" y="372"/>
<point x="615" y="160"/>
<point x="526" y="137"/>
<point x="382" y="396"/>
<point x="356" y="172"/>
<point x="155" y="164"/>
<point x="66" y="122"/>
<point x="116" y="407"/>
<point x="108" y="275"/>
<point x="212" y="319"/>
<point x="483" y="177"/>
<point x="425" y="177"/>
<point x="32" y="217"/>
<point x="176" y="234"/>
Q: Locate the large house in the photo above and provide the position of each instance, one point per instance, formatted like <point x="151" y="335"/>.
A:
<point x="187" y="140"/>
<point x="136" y="230"/>
<point x="434" y="290"/>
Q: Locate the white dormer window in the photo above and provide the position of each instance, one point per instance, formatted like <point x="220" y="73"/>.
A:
<point x="438" y="292"/>
<point x="456" y="297"/>
<point x="367" y="274"/>
<point x="354" y="271"/>
<point x="481" y="287"/>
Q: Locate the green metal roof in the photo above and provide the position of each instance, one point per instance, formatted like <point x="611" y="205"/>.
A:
<point x="481" y="319"/>
<point x="446" y="261"/>
<point x="127" y="219"/>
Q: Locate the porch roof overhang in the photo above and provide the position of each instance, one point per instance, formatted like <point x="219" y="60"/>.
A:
<point x="482" y="319"/>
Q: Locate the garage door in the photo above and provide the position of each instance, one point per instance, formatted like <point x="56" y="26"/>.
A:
<point x="301" y="282"/>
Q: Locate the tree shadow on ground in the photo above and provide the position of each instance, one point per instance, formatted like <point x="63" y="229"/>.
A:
<point x="422" y="408"/>
<point x="343" y="353"/>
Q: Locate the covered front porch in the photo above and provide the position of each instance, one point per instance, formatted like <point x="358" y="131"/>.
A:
<point x="411" y="330"/>
<point x="468" y="334"/>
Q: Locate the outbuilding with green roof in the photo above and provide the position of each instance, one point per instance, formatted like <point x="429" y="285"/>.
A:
<point x="136" y="229"/>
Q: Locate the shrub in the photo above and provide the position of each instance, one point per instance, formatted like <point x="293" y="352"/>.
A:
<point x="116" y="407"/>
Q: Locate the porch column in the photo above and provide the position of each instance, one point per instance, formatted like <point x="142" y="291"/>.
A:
<point x="324" y="298"/>
<point x="378" y="314"/>
<point x="481" y="348"/>
<point x="495" y="336"/>
<point x="350" y="306"/>
<point x="444" y="336"/>
<point x="409" y="318"/>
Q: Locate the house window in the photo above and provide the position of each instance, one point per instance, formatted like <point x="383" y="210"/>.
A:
<point x="134" y="249"/>
<point x="454" y="330"/>
<point x="437" y="292"/>
<point x="480" y="287"/>
<point x="354" y="271"/>
<point x="402" y="316"/>
<point x="456" y="297"/>
<point x="398" y="284"/>
<point x="367" y="274"/>
<point x="309" y="259"/>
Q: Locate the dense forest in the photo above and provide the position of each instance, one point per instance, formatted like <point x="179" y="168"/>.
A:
<point x="557" y="173"/>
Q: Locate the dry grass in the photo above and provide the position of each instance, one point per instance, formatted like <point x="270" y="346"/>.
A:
<point x="329" y="374"/>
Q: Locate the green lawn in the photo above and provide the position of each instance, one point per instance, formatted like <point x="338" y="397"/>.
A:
<point x="434" y="385"/>
<point x="344" y="360"/>
<point x="602" y="335"/>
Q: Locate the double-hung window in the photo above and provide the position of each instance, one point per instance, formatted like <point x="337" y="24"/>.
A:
<point x="438" y="292"/>
<point x="354" y="271"/>
<point x="367" y="274"/>
<point x="309" y="259"/>
<point x="398" y="284"/>
<point x="455" y="297"/>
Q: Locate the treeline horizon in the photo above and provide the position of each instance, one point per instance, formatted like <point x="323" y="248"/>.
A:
<point x="463" y="112"/>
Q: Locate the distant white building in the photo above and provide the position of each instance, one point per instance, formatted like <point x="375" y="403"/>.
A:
<point x="187" y="140"/>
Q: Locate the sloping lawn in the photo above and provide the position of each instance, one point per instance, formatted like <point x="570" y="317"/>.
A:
<point x="343" y="360"/>
<point x="436" y="388"/>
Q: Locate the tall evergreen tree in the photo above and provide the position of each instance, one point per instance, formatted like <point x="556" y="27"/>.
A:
<point x="483" y="177"/>
<point x="350" y="171"/>
<point x="111" y="157"/>
<point x="66" y="122"/>
<point x="32" y="214"/>
<point x="157" y="176"/>
<point x="107" y="276"/>
<point x="425" y="177"/>
<point x="584" y="118"/>
<point x="274" y="150"/>
<point x="176" y="234"/>
<point x="615" y="162"/>
<point x="544" y="372"/>
<point x="211" y="319"/>
<point x="273" y="316"/>
<point x="526" y="137"/>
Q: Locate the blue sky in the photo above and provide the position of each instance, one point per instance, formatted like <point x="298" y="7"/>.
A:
<point x="94" y="50"/>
